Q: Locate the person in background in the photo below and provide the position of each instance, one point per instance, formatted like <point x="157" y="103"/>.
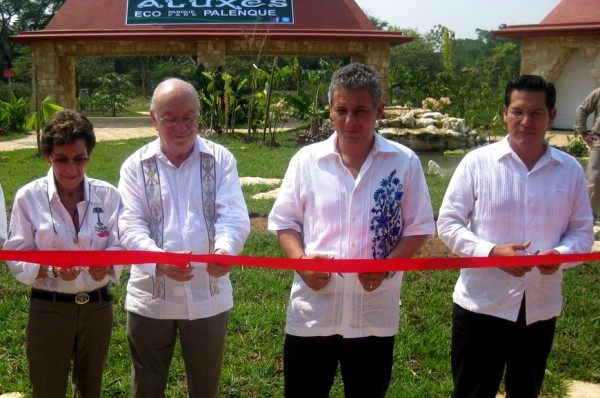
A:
<point x="3" y="224"/>
<point x="71" y="309"/>
<point x="181" y="193"/>
<point x="498" y="204"/>
<point x="355" y="195"/>
<point x="591" y="104"/>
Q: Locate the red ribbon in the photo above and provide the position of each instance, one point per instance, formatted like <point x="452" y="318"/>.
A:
<point x="103" y="258"/>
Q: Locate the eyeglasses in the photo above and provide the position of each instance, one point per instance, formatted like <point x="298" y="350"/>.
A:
<point x="172" y="121"/>
<point x="79" y="161"/>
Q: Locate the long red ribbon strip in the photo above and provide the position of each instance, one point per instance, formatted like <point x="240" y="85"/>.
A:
<point x="105" y="258"/>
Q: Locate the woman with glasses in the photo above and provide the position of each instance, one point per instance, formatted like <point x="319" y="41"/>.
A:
<point x="70" y="313"/>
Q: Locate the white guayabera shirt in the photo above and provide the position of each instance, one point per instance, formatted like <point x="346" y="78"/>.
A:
<point x="349" y="218"/>
<point x="179" y="197"/>
<point x="493" y="199"/>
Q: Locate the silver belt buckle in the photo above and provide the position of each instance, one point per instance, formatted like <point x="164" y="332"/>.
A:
<point x="82" y="298"/>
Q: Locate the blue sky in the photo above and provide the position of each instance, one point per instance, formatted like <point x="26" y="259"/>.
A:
<point x="460" y="16"/>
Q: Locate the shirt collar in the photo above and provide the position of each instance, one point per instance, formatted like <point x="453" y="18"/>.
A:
<point x="53" y="191"/>
<point x="505" y="150"/>
<point x="328" y="146"/>
<point x="153" y="148"/>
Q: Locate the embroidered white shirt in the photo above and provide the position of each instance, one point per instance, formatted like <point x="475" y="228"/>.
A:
<point x="494" y="199"/>
<point x="184" y="229"/>
<point x="39" y="221"/>
<point x="351" y="218"/>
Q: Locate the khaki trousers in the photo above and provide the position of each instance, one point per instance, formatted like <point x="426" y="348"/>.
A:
<point x="152" y="341"/>
<point x="60" y="334"/>
<point x="593" y="174"/>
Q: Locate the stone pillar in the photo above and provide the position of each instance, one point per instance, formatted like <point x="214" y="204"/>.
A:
<point x="53" y="76"/>
<point x="211" y="53"/>
<point x="377" y="55"/>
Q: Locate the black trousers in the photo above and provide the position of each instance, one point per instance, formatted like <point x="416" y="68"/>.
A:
<point x="484" y="347"/>
<point x="310" y="365"/>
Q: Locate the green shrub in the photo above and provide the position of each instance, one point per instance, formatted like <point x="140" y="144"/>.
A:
<point x="577" y="147"/>
<point x="13" y="114"/>
<point x="17" y="89"/>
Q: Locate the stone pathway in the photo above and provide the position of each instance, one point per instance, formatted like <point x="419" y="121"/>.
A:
<point x="106" y="128"/>
<point x="577" y="389"/>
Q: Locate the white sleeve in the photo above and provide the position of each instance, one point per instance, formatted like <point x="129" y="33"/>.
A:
<point x="3" y="224"/>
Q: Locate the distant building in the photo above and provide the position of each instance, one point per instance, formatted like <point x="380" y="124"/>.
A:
<point x="565" y="49"/>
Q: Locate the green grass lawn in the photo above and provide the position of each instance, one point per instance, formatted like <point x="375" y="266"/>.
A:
<point x="253" y="358"/>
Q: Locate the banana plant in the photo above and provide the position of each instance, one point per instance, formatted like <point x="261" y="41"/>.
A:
<point x="38" y="118"/>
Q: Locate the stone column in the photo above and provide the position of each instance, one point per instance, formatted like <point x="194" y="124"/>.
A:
<point x="53" y="76"/>
<point x="211" y="53"/>
<point x="377" y="55"/>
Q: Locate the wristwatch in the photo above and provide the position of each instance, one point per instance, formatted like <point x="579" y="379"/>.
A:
<point x="51" y="272"/>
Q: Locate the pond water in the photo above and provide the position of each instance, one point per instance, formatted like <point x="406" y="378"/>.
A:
<point x="447" y="163"/>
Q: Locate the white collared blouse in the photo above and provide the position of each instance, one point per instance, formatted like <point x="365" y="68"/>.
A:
<point x="39" y="221"/>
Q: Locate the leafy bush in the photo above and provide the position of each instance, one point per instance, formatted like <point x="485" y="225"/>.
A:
<point x="38" y="118"/>
<point x="17" y="89"/>
<point x="13" y="114"/>
<point x="577" y="147"/>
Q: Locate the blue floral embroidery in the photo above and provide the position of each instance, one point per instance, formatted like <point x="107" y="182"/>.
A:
<point x="386" y="222"/>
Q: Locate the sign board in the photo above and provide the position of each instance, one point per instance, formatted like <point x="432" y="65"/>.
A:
<point x="9" y="73"/>
<point x="168" y="12"/>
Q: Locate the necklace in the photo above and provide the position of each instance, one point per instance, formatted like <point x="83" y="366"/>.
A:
<point x="73" y="215"/>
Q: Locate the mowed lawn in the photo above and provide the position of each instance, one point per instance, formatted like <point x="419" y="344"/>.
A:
<point x="253" y="359"/>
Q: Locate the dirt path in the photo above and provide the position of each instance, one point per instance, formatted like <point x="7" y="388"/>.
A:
<point x="106" y="128"/>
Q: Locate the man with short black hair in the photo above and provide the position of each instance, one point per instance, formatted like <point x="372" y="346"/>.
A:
<point x="518" y="196"/>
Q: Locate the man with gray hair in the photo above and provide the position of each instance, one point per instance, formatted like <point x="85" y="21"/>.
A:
<point x="181" y="193"/>
<point x="354" y="196"/>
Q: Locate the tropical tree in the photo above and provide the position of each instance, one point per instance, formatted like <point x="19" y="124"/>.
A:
<point x="309" y="108"/>
<point x="412" y="67"/>
<point x="112" y="94"/>
<point x="212" y="99"/>
<point x="40" y="116"/>
<point x="20" y="15"/>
